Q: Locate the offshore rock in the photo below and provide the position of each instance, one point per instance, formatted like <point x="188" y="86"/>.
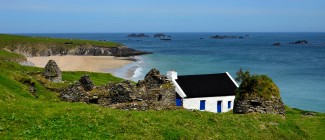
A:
<point x="226" y="37"/>
<point x="161" y="35"/>
<point x="137" y="35"/>
<point x="52" y="72"/>
<point x="277" y="44"/>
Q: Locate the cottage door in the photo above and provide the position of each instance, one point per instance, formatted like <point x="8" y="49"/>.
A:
<point x="179" y="102"/>
<point x="202" y="105"/>
<point x="219" y="106"/>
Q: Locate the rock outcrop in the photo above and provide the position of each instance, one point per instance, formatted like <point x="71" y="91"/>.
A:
<point x="154" y="92"/>
<point x="120" y="51"/>
<point x="52" y="72"/>
<point x="86" y="50"/>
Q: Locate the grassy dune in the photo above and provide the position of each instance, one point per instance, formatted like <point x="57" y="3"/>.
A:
<point x="22" y="116"/>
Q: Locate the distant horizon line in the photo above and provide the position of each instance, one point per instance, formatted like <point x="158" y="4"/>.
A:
<point x="148" y="32"/>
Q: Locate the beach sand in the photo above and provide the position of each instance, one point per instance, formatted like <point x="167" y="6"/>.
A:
<point x="83" y="63"/>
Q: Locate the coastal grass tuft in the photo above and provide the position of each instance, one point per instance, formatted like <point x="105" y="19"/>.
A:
<point x="22" y="116"/>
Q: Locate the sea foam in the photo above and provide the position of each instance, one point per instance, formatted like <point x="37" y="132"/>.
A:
<point x="137" y="72"/>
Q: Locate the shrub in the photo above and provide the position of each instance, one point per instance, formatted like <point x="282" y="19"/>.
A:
<point x="256" y="85"/>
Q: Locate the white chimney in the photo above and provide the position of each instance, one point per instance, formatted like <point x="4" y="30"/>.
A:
<point x="172" y="75"/>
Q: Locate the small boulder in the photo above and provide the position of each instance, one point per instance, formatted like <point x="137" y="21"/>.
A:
<point x="52" y="72"/>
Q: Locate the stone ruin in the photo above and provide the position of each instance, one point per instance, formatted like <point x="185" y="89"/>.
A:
<point x="154" y="92"/>
<point x="259" y="105"/>
<point x="86" y="83"/>
<point x="52" y="72"/>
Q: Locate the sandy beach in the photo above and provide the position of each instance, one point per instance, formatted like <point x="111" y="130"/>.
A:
<point x="83" y="63"/>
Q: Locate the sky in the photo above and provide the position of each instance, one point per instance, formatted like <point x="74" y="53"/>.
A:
<point x="114" y="16"/>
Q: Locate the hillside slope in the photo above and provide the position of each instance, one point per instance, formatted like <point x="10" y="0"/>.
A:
<point x="24" y="116"/>
<point x="43" y="46"/>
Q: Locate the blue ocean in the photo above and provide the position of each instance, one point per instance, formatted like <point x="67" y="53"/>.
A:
<point x="297" y="69"/>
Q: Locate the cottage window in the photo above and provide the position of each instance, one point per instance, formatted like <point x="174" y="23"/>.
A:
<point x="229" y="104"/>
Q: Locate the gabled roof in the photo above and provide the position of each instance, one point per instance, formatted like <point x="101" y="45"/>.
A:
<point x="208" y="85"/>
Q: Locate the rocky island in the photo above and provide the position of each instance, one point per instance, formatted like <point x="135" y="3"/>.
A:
<point x="226" y="37"/>
<point x="137" y="35"/>
<point x="277" y="44"/>
<point x="300" y="42"/>
<point x="161" y="35"/>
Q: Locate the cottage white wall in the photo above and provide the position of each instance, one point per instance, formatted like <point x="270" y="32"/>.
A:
<point x="210" y="103"/>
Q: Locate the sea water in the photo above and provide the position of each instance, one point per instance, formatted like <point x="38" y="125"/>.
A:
<point x="298" y="70"/>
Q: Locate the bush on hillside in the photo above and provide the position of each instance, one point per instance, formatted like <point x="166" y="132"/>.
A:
<point x="255" y="85"/>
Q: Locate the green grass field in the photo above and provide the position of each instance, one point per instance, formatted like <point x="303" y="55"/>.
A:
<point x="22" y="116"/>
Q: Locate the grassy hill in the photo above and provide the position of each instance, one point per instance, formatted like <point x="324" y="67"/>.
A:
<point x="16" y="40"/>
<point x="22" y="116"/>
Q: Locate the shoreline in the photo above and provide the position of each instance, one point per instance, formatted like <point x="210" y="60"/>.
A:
<point x="105" y="64"/>
<point x="129" y="71"/>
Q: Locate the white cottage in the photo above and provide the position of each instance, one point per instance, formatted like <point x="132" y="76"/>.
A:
<point x="210" y="92"/>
